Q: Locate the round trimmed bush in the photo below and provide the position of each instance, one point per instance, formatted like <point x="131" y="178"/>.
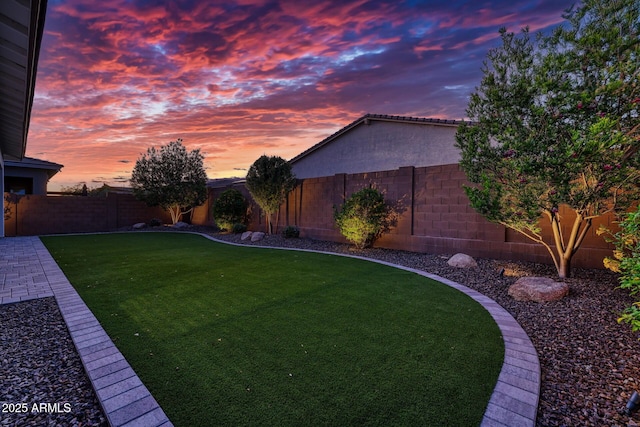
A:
<point x="229" y="209"/>
<point x="291" y="232"/>
<point x="238" y="228"/>
<point x="363" y="217"/>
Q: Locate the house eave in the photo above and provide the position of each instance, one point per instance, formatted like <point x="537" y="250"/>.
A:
<point x="31" y="163"/>
<point x="21" y="29"/>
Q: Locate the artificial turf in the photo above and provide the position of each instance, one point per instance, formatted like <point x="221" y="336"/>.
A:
<point x="226" y="335"/>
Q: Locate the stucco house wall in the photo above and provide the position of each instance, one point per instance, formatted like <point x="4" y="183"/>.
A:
<point x="378" y="143"/>
<point x="37" y="172"/>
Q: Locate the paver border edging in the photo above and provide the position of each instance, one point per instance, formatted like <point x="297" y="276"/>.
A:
<point x="514" y="401"/>
<point x="125" y="400"/>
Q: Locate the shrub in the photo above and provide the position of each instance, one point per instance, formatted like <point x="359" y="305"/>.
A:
<point x="291" y="231"/>
<point x="363" y="217"/>
<point x="155" y="222"/>
<point x="626" y="261"/>
<point x="238" y="228"/>
<point x="230" y="209"/>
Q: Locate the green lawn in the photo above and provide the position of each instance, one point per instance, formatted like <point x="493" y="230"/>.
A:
<point x="225" y="335"/>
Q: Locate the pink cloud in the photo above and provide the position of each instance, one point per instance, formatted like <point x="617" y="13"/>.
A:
<point x="241" y="78"/>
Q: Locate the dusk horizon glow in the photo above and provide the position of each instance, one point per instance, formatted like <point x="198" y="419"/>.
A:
<point x="238" y="79"/>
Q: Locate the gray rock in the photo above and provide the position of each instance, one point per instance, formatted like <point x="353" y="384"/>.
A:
<point x="246" y="235"/>
<point x="462" y="261"/>
<point x="256" y="236"/>
<point x="539" y="289"/>
<point x="139" y="226"/>
<point x="180" y="224"/>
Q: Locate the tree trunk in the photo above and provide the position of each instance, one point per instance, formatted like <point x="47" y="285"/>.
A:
<point x="564" y="267"/>
<point x="175" y="214"/>
<point x="565" y="251"/>
<point x="268" y="217"/>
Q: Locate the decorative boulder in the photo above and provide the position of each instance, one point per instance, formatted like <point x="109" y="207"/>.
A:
<point x="256" y="236"/>
<point x="246" y="235"/>
<point x="462" y="261"/>
<point x="539" y="289"/>
<point x="180" y="224"/>
<point x="139" y="226"/>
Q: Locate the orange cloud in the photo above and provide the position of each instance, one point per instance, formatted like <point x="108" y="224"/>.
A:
<point x="238" y="79"/>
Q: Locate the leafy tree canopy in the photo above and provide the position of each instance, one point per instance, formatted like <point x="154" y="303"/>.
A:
<point x="269" y="180"/>
<point x="171" y="177"/>
<point x="557" y="123"/>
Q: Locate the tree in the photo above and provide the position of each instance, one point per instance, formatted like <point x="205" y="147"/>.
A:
<point x="269" y="180"/>
<point x="171" y="178"/>
<point x="557" y="124"/>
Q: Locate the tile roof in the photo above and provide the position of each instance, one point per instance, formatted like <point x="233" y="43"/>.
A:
<point x="224" y="182"/>
<point x="377" y="117"/>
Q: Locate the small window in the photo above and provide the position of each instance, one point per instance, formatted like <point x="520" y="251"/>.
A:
<point x="18" y="185"/>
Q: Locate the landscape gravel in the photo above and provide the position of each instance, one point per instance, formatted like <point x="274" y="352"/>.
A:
<point x="590" y="364"/>
<point x="42" y="380"/>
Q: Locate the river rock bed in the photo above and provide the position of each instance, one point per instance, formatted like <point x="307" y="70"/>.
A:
<point x="42" y="380"/>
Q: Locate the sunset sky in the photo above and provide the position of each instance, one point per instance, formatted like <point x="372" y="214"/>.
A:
<point x="243" y="78"/>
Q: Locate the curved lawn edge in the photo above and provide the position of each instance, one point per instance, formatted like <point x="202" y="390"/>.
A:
<point x="514" y="400"/>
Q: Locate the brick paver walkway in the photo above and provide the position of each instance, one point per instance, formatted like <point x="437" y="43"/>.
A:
<point x="22" y="277"/>
<point x="28" y="271"/>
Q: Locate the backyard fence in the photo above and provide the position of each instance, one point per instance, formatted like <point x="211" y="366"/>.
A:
<point x="38" y="214"/>
<point x="434" y="216"/>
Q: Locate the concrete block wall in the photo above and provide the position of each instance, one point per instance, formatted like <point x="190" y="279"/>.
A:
<point x="434" y="216"/>
<point x="38" y="214"/>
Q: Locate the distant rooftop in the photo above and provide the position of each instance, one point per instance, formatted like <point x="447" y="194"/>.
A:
<point x="376" y="117"/>
<point x="224" y="182"/>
